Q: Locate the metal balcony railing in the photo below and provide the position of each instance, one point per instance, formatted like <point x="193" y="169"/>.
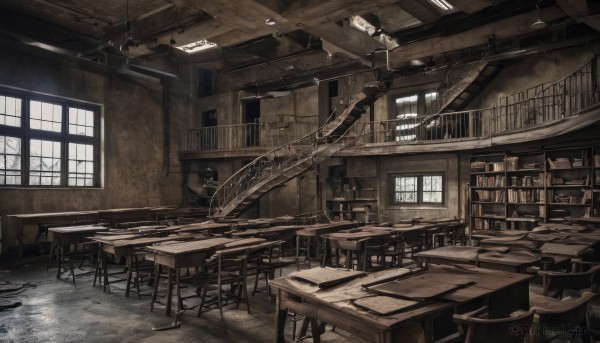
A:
<point x="240" y="136"/>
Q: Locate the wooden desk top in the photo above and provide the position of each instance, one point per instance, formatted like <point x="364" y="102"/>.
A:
<point x="139" y="241"/>
<point x="274" y="230"/>
<point x="341" y="297"/>
<point x="471" y="254"/>
<point x="322" y="228"/>
<point x="455" y="252"/>
<point x="564" y="249"/>
<point x="76" y="229"/>
<point x="116" y="237"/>
<point x="203" y="245"/>
<point x="204" y="227"/>
<point x="353" y="236"/>
<point x="52" y="214"/>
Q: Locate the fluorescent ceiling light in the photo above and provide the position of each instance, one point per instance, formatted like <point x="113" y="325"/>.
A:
<point x="442" y="4"/>
<point x="197" y="46"/>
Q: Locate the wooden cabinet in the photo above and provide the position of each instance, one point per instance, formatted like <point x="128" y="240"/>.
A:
<point x="518" y="191"/>
<point x="352" y="198"/>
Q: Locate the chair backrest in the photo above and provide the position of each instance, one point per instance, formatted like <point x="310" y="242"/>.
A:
<point x="556" y="282"/>
<point x="570" y="311"/>
<point x="502" y="330"/>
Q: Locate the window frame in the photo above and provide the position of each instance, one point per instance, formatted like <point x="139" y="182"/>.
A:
<point x="420" y="202"/>
<point x="26" y="134"/>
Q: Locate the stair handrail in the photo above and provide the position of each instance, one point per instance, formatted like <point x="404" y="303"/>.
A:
<point x="229" y="189"/>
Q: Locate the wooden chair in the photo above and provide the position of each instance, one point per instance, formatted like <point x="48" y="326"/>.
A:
<point x="228" y="268"/>
<point x="267" y="263"/>
<point x="556" y="282"/>
<point x="475" y="327"/>
<point x="568" y="313"/>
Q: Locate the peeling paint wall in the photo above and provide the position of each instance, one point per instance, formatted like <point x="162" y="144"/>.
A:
<point x="132" y="115"/>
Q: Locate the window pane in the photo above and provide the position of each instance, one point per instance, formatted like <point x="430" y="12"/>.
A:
<point x="405" y="188"/>
<point x="10" y="160"/>
<point x="10" y="111"/>
<point x="45" y="116"/>
<point x="432" y="189"/>
<point x="81" y="161"/>
<point x="81" y="122"/>
<point x="430" y="98"/>
<point x="406" y="107"/>
<point x="44" y="163"/>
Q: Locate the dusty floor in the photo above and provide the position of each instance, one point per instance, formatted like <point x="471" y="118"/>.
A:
<point x="57" y="311"/>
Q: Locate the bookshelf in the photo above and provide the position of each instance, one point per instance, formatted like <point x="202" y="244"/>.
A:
<point x="352" y="198"/>
<point x="518" y="191"/>
<point x="569" y="183"/>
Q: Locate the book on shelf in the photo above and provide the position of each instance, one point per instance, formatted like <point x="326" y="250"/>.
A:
<point x="596" y="161"/>
<point x="490" y="181"/>
<point x="490" y="196"/>
<point x="478" y="165"/>
<point x="494" y="166"/>
<point x="512" y="163"/>
<point x="559" y="163"/>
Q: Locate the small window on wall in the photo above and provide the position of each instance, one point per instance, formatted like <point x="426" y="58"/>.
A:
<point x="416" y="189"/>
<point x="47" y="141"/>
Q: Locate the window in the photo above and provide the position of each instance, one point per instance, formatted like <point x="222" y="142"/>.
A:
<point x="417" y="189"/>
<point x="48" y="142"/>
<point x="407" y="109"/>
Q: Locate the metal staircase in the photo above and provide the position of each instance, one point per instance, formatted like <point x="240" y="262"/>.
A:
<point x="290" y="160"/>
<point x="460" y="85"/>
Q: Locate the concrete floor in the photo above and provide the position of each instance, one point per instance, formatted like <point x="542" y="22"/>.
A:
<point x="58" y="311"/>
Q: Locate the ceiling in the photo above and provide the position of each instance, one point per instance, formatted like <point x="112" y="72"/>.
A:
<point x="417" y="33"/>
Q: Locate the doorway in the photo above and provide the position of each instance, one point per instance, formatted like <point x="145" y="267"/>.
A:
<point x="252" y="121"/>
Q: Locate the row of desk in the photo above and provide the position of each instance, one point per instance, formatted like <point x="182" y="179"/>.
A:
<point x="110" y="217"/>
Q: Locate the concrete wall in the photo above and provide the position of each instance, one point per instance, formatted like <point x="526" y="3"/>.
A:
<point x="132" y="120"/>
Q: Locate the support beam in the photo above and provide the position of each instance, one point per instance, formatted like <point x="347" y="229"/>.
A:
<point x="578" y="10"/>
<point x="502" y="29"/>
<point x="346" y="38"/>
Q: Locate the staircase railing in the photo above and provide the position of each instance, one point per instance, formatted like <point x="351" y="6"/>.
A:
<point x="273" y="163"/>
<point x="452" y="79"/>
<point x="546" y="103"/>
<point x="560" y="99"/>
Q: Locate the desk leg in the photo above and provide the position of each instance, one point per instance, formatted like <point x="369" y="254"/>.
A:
<point x="155" y="291"/>
<point x="105" y="269"/>
<point x="315" y="330"/>
<point x="129" y="274"/>
<point x="169" y="290"/>
<point x="20" y="238"/>
<point x="297" y="252"/>
<point x="179" y="301"/>
<point x="59" y="258"/>
<point x="280" y="318"/>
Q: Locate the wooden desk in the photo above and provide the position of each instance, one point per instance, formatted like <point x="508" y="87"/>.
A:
<point x="118" y="215"/>
<point x="352" y="243"/>
<point x="188" y="255"/>
<point x="503" y="292"/>
<point x="17" y="222"/>
<point x="512" y="261"/>
<point x="281" y="232"/>
<point x="311" y="234"/>
<point x="64" y="237"/>
<point x="210" y="228"/>
<point x="125" y="247"/>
